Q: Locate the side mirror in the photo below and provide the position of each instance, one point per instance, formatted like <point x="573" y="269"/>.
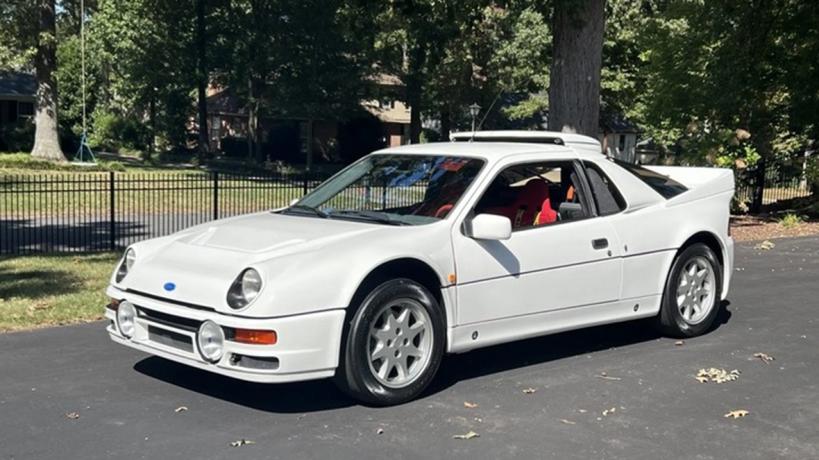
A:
<point x="293" y="201"/>
<point x="490" y="227"/>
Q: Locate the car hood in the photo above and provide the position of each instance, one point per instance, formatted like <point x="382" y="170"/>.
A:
<point x="197" y="266"/>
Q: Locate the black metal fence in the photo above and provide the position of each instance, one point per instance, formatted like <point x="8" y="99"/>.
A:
<point x="89" y="211"/>
<point x="769" y="183"/>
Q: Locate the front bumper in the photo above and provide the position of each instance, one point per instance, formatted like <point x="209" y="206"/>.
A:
<point x="307" y="347"/>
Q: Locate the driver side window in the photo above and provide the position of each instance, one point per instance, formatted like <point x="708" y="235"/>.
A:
<point x="535" y="194"/>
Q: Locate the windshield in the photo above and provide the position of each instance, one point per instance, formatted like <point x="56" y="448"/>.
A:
<point x="392" y="189"/>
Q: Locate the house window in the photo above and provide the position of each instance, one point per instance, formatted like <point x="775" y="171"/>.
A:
<point x="25" y="109"/>
<point x="621" y="143"/>
<point x="386" y="103"/>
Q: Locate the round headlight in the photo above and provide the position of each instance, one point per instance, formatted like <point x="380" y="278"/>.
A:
<point x="245" y="289"/>
<point x="126" y="317"/>
<point x="130" y="258"/>
<point x="211" y="341"/>
<point x="126" y="264"/>
<point x="251" y="284"/>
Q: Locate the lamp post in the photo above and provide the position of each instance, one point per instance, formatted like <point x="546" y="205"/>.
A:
<point x="474" y="110"/>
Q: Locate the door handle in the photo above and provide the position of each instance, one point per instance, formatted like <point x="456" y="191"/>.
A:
<point x="600" y="243"/>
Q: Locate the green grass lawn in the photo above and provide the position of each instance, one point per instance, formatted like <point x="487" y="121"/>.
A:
<point x="47" y="290"/>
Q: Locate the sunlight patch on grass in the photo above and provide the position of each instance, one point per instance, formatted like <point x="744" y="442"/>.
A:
<point x="47" y="290"/>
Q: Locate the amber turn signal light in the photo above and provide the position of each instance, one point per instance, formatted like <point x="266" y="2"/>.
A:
<point x="255" y="337"/>
<point x="113" y="304"/>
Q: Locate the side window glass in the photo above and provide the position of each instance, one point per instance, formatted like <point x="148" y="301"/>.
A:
<point x="535" y="194"/>
<point x="606" y="196"/>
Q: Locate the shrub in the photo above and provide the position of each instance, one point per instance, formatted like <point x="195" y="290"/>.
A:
<point x="113" y="132"/>
<point x="18" y="136"/>
<point x="790" y="220"/>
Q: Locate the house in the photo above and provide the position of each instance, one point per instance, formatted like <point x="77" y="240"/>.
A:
<point x="393" y="113"/>
<point x="17" y="97"/>
<point x="380" y="122"/>
<point x="618" y="136"/>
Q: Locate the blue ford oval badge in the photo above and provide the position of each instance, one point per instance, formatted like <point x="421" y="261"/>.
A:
<point x="169" y="287"/>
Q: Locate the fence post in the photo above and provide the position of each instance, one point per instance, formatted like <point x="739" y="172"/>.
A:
<point x="112" y="223"/>
<point x="215" y="195"/>
<point x="304" y="184"/>
<point x="759" y="187"/>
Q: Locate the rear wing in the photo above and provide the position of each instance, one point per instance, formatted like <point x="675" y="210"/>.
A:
<point x="701" y="182"/>
<point x="577" y="142"/>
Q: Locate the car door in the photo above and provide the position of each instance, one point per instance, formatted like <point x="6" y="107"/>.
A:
<point x="571" y="262"/>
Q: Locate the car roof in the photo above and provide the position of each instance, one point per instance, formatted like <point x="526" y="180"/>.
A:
<point x="536" y="137"/>
<point x="488" y="150"/>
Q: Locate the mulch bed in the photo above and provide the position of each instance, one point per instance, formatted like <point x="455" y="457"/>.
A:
<point x="752" y="228"/>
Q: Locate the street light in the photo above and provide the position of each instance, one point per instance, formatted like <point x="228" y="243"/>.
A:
<point x="474" y="110"/>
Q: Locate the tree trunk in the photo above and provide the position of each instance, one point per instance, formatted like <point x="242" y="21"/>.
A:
<point x="414" y="101"/>
<point x="202" y="79"/>
<point x="446" y="124"/>
<point x="46" y="138"/>
<point x="574" y="89"/>
<point x="415" y="88"/>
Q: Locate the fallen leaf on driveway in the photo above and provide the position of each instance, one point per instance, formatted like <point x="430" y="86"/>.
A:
<point x="529" y="391"/>
<point x="181" y="409"/>
<point x="470" y="405"/>
<point x="469" y="435"/>
<point x="766" y="358"/>
<point x="568" y="422"/>
<point x="379" y="431"/>
<point x="737" y="413"/>
<point x="765" y="245"/>
<point x="606" y="376"/>
<point x="679" y="343"/>
<point x="72" y="415"/>
<point x="608" y="412"/>
<point x="716" y="375"/>
<point x="241" y="442"/>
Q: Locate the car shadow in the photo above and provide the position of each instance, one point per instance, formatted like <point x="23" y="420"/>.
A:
<point x="319" y="395"/>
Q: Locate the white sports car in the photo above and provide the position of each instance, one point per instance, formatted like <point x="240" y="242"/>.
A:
<point x="417" y="251"/>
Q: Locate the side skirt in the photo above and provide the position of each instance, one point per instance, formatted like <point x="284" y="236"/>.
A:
<point x="477" y="335"/>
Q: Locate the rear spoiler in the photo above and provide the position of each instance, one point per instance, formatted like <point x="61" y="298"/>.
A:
<point x="701" y="182"/>
<point x="577" y="142"/>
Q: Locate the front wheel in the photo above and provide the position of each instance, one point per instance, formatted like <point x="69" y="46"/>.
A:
<point x="692" y="293"/>
<point x="394" y="344"/>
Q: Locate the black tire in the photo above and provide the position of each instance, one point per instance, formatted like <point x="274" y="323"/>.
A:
<point x="670" y="320"/>
<point x="355" y="374"/>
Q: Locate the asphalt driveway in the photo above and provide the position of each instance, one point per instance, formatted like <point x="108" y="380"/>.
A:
<point x="609" y="392"/>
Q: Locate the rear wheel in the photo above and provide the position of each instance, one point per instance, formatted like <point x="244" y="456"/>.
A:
<point x="692" y="293"/>
<point x="394" y="344"/>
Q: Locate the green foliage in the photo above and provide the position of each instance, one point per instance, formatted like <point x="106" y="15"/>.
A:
<point x="790" y="220"/>
<point x="18" y="33"/>
<point x="69" y="81"/>
<point x="713" y="68"/>
<point x="17" y="136"/>
<point x="114" y="132"/>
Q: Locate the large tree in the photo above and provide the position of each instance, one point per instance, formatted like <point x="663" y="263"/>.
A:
<point x="574" y="90"/>
<point x="28" y="41"/>
<point x="46" y="137"/>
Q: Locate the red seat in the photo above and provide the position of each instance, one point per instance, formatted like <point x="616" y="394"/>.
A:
<point x="532" y="206"/>
<point x="547" y="215"/>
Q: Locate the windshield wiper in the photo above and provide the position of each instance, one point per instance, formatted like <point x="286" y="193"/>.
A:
<point x="303" y="207"/>
<point x="374" y="216"/>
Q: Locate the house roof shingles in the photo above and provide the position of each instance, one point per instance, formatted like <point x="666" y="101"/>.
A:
<point x="17" y="85"/>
